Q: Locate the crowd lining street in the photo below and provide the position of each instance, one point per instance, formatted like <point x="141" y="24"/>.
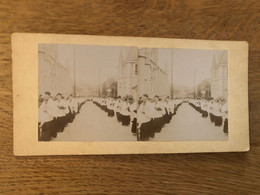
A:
<point x="123" y="119"/>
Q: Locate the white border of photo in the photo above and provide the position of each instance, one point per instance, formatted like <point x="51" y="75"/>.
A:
<point x="25" y="97"/>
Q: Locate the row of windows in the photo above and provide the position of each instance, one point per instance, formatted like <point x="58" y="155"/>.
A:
<point x="128" y="69"/>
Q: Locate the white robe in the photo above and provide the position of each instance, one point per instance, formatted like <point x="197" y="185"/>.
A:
<point x="117" y="105"/>
<point x="73" y="105"/>
<point x="133" y="107"/>
<point x="168" y="107"/>
<point x="144" y="113"/>
<point x="210" y="107"/>
<point x="59" y="111"/>
<point x="224" y="111"/>
<point x="47" y="111"/>
<point x="125" y="109"/>
<point x="204" y="105"/>
<point x="216" y="109"/>
<point x="158" y="113"/>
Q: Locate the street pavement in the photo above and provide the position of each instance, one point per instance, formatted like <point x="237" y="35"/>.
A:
<point x="93" y="124"/>
<point x="188" y="125"/>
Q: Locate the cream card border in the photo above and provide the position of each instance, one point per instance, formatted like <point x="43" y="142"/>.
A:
<point x="25" y="97"/>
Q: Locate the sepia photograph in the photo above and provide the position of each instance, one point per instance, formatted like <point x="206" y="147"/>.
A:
<point x="96" y="93"/>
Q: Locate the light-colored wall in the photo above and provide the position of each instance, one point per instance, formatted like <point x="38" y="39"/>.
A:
<point x="219" y="79"/>
<point x="53" y="76"/>
<point x="151" y="79"/>
<point x="127" y="80"/>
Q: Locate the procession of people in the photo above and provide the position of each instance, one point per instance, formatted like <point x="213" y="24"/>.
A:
<point x="55" y="113"/>
<point x="214" y="109"/>
<point x="147" y="116"/>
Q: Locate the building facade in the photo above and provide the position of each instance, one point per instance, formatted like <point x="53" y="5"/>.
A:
<point x="128" y="72"/>
<point x="52" y="76"/>
<point x="219" y="75"/>
<point x="139" y="73"/>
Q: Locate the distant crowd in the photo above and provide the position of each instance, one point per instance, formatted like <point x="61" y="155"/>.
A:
<point x="216" y="110"/>
<point x="55" y="113"/>
<point x="149" y="116"/>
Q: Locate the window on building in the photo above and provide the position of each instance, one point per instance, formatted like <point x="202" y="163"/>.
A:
<point x="136" y="69"/>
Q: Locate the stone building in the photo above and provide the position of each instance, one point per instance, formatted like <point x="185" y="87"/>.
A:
<point x="127" y="72"/>
<point x="219" y="74"/>
<point x="139" y="73"/>
<point x="52" y="76"/>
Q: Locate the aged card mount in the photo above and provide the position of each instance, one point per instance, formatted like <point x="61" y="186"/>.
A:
<point x="85" y="94"/>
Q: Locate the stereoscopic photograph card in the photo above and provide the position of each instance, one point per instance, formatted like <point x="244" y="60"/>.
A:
<point x="85" y="94"/>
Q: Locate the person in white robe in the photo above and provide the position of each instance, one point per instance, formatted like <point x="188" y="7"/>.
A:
<point x="217" y="113"/>
<point x="144" y="119"/>
<point x="61" y="112"/>
<point x="168" y="109"/>
<point x="73" y="108"/>
<point x="110" y="106"/>
<point x="157" y="114"/>
<point x="117" y="108"/>
<point x="133" y="115"/>
<point x="204" y="107"/>
<point x="125" y="112"/>
<point x="210" y="110"/>
<point x="46" y="118"/>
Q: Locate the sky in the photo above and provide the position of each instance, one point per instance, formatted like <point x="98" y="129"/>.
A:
<point x="187" y="63"/>
<point x="88" y="60"/>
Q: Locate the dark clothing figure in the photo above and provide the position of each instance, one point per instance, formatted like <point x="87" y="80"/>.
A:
<point x="157" y="124"/>
<point x="110" y="113"/>
<point x="119" y="117"/>
<point x="145" y="131"/>
<point x="225" y="128"/>
<point x="125" y="120"/>
<point x="218" y="121"/>
<point x="47" y="131"/>
<point x="134" y="125"/>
